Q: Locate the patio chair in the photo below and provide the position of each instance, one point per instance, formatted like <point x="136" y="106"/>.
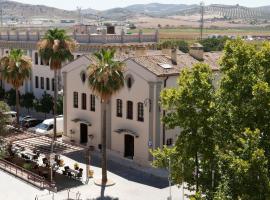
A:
<point x="69" y="174"/>
<point x="64" y="172"/>
<point x="79" y="175"/>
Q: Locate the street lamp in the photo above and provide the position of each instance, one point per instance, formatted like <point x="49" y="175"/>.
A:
<point x="170" y="179"/>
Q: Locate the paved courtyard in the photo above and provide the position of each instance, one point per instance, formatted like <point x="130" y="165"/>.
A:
<point x="130" y="184"/>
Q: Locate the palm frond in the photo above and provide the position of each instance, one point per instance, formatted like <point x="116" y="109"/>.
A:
<point x="105" y="77"/>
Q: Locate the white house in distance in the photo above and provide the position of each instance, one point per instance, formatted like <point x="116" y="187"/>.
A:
<point x="134" y="114"/>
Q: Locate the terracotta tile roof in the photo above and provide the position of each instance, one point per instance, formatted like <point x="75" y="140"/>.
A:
<point x="153" y="62"/>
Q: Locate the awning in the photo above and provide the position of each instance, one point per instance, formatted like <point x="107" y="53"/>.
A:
<point x="120" y="131"/>
<point x="82" y="121"/>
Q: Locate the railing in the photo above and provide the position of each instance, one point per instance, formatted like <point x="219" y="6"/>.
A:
<point x="83" y="38"/>
<point x="26" y="175"/>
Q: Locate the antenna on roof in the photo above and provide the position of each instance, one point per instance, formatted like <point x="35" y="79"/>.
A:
<point x="202" y="19"/>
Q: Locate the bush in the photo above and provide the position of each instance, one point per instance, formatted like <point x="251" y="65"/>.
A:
<point x="2" y="93"/>
<point x="27" y="100"/>
<point x="214" y="44"/>
<point x="27" y="166"/>
<point x="179" y="44"/>
<point x="10" y="97"/>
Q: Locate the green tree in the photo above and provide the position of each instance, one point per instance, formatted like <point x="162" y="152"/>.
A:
<point x="182" y="46"/>
<point x="60" y="105"/>
<point x="3" y="118"/>
<point x="15" y="69"/>
<point x="105" y="78"/>
<point x="214" y="44"/>
<point x="45" y="104"/>
<point x="246" y="166"/>
<point x="2" y="93"/>
<point x="10" y="97"/>
<point x="189" y="106"/>
<point x="27" y="100"/>
<point x="242" y="107"/>
<point x="55" y="48"/>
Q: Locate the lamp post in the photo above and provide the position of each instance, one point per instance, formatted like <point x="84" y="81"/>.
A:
<point x="170" y="180"/>
<point x="88" y="158"/>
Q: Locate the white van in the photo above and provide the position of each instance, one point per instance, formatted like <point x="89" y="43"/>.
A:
<point x="46" y="127"/>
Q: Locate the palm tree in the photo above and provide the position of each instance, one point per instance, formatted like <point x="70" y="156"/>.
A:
<point x="105" y="78"/>
<point x="15" y="69"/>
<point x="55" y="48"/>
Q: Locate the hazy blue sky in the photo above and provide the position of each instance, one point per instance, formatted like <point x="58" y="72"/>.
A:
<point x="105" y="4"/>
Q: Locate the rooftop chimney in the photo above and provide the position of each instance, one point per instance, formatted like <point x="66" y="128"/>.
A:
<point x="140" y="51"/>
<point x="174" y="56"/>
<point x="196" y="51"/>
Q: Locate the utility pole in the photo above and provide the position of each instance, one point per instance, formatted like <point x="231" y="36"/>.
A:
<point x="80" y="15"/>
<point x="1" y="17"/>
<point x="202" y="20"/>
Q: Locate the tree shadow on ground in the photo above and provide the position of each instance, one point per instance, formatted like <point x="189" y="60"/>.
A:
<point x="125" y="172"/>
<point x="102" y="195"/>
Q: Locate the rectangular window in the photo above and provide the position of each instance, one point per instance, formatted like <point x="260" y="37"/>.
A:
<point x="36" y="58"/>
<point x="36" y="81"/>
<point x="47" y="84"/>
<point x="53" y="84"/>
<point x="92" y="103"/>
<point x="41" y="61"/>
<point x="169" y="142"/>
<point x="140" y="112"/>
<point x="129" y="110"/>
<point x="75" y="99"/>
<point x="42" y="82"/>
<point x="119" y="108"/>
<point x="84" y="101"/>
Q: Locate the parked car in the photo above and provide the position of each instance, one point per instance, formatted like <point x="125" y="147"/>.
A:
<point x="46" y="127"/>
<point x="22" y="118"/>
<point x="30" y="122"/>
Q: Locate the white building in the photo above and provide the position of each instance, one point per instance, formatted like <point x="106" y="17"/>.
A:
<point x="42" y="77"/>
<point x="133" y="114"/>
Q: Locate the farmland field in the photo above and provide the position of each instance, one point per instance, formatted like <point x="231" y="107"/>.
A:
<point x="193" y="33"/>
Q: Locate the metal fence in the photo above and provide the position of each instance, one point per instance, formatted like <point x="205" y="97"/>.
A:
<point x="26" y="175"/>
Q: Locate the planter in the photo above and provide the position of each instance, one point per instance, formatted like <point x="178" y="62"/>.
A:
<point x="91" y="173"/>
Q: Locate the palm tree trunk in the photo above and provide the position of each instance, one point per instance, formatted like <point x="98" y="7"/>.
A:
<point x="55" y="103"/>
<point x="17" y="105"/>
<point x="104" y="146"/>
<point x="54" y="119"/>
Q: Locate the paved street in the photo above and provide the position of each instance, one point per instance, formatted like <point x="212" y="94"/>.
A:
<point x="130" y="184"/>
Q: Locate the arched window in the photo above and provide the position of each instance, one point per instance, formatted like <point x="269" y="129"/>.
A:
<point x="36" y="58"/>
<point x="83" y="77"/>
<point x="129" y="81"/>
<point x="140" y="112"/>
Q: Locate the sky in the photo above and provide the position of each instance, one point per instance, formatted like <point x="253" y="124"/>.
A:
<point x="106" y="4"/>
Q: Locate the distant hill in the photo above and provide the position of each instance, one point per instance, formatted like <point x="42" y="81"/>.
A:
<point x="157" y="9"/>
<point x="23" y="12"/>
<point x="19" y="11"/>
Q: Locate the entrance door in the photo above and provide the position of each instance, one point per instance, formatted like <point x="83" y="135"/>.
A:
<point x="84" y="133"/>
<point x="129" y="146"/>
